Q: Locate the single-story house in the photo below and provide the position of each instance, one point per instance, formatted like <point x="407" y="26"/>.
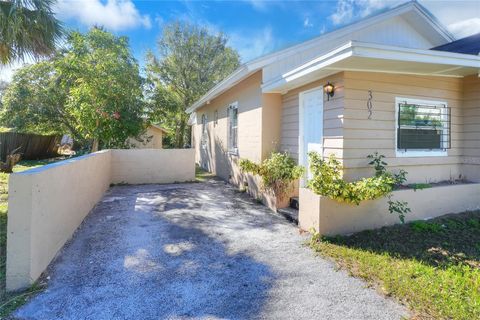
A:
<point x="151" y="139"/>
<point x="343" y="93"/>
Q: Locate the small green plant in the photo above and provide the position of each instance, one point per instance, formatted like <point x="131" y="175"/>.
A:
<point x="419" y="186"/>
<point x="378" y="164"/>
<point x="277" y="172"/>
<point x="327" y="181"/>
<point x="398" y="207"/>
<point x="426" y="227"/>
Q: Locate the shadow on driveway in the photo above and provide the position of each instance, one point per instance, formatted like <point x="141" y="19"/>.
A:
<point x="200" y="251"/>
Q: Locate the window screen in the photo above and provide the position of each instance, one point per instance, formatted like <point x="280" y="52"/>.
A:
<point x="423" y="126"/>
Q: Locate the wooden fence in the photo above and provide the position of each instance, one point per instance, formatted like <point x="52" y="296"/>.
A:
<point x="31" y="146"/>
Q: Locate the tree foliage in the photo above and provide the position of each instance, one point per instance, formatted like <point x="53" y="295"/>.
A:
<point x="91" y="90"/>
<point x="27" y="28"/>
<point x="104" y="83"/>
<point x="35" y="101"/>
<point x="191" y="61"/>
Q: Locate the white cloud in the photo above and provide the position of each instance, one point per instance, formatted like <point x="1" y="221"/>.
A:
<point x="7" y="71"/>
<point x="258" y="4"/>
<point x="344" y="12"/>
<point x="307" y="23"/>
<point x="114" y="14"/>
<point x="251" y="46"/>
<point x="465" y="28"/>
<point x="349" y="10"/>
<point x="460" y="16"/>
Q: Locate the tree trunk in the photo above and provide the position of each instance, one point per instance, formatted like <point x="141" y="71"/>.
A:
<point x="181" y="137"/>
<point x="95" y="140"/>
<point x="95" y="145"/>
<point x="12" y="159"/>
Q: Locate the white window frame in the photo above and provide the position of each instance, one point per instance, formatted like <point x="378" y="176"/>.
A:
<point x="416" y="153"/>
<point x="204" y="136"/>
<point x="231" y="149"/>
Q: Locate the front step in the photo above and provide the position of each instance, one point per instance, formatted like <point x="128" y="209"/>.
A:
<point x="294" y="203"/>
<point x="290" y="214"/>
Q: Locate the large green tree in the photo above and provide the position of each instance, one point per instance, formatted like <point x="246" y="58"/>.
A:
<point x="27" y="28"/>
<point x="191" y="61"/>
<point x="105" y="87"/>
<point x="35" y="102"/>
<point x="92" y="90"/>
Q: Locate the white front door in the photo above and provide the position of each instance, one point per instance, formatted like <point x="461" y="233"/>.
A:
<point x="311" y="125"/>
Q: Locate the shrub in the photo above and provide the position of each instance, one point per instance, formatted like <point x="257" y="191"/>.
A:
<point x="277" y="172"/>
<point x="327" y="181"/>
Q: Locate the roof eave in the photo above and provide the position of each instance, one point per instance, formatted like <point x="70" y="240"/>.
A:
<point x="371" y="51"/>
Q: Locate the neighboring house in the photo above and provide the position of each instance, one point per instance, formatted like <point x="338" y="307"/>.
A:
<point x="380" y="69"/>
<point x="150" y="139"/>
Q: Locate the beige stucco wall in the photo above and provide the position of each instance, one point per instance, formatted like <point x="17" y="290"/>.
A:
<point x="152" y="138"/>
<point x="47" y="204"/>
<point x="138" y="166"/>
<point x="258" y="132"/>
<point x="45" y="207"/>
<point x="330" y="217"/>
<point x="215" y="156"/>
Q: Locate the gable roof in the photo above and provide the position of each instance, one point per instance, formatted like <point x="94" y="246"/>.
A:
<point x="427" y="21"/>
<point x="468" y="45"/>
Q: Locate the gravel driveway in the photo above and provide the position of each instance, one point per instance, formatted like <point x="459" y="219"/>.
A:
<point x="196" y="251"/>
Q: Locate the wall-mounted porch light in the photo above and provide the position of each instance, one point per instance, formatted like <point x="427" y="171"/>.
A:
<point x="329" y="90"/>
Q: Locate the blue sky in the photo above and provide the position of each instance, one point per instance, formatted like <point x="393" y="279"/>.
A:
<point x="253" y="27"/>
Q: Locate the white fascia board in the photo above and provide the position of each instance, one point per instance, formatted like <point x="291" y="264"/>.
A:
<point x="238" y="75"/>
<point x="372" y="51"/>
<point x="434" y="22"/>
<point x="261" y="62"/>
<point x="323" y="61"/>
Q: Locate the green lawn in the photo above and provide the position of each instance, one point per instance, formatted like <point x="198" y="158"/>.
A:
<point x="202" y="175"/>
<point x="433" y="267"/>
<point x="9" y="302"/>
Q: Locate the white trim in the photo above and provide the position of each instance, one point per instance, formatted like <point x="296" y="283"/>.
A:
<point x="372" y="51"/>
<point x="415" y="153"/>
<point x="249" y="68"/>
<point x="238" y="75"/>
<point x="301" y="133"/>
<point x="231" y="106"/>
<point x="204" y="136"/>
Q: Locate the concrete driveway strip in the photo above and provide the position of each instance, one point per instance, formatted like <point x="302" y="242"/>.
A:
<point x="196" y="251"/>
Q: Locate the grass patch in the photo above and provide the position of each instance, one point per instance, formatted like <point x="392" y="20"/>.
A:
<point x="201" y="175"/>
<point x="9" y="302"/>
<point x="431" y="266"/>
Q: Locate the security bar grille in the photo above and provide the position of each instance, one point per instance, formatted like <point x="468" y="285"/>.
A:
<point x="423" y="127"/>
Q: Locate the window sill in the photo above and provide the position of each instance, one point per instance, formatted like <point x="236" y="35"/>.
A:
<point x="421" y="153"/>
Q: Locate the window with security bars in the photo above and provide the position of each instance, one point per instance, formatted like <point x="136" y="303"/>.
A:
<point x="233" y="128"/>
<point x="423" y="126"/>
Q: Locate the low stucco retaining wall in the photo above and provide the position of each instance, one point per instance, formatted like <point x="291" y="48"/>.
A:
<point x="330" y="217"/>
<point x="47" y="204"/>
<point x="138" y="166"/>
